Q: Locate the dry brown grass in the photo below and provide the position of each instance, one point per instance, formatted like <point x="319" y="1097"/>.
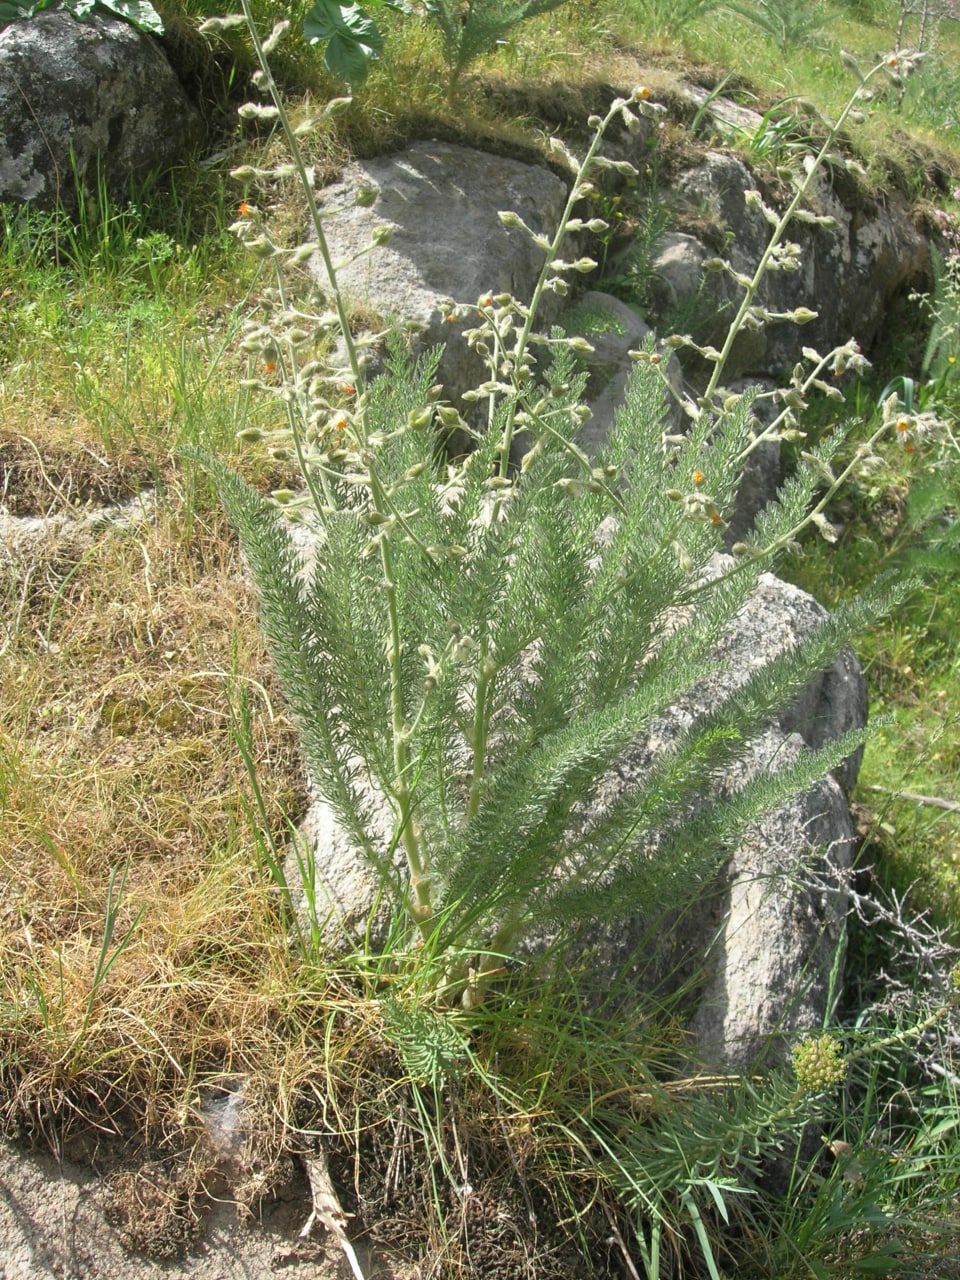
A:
<point x="118" y="749"/>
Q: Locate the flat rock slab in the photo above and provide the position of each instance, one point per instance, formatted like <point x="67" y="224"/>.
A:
<point x="441" y="202"/>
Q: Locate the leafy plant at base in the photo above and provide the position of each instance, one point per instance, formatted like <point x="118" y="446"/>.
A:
<point x="672" y="16"/>
<point x="788" y="22"/>
<point x="350" y="36"/>
<point x="352" y="39"/>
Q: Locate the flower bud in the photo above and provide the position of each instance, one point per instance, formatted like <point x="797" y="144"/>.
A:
<point x="257" y="111"/>
<point x="510" y="219"/>
<point x="217" y="25"/>
<point x="418" y="419"/>
<point x="261" y="247"/>
<point x="366" y="196"/>
<point x="276" y="36"/>
<point x="826" y="529"/>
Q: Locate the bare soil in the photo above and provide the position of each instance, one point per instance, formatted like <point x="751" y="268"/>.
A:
<point x="55" y="1222"/>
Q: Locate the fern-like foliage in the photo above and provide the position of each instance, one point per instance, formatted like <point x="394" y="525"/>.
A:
<point x="475" y="646"/>
<point x="471" y="28"/>
<point x="536" y="643"/>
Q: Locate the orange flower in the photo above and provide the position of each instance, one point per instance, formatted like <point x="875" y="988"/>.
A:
<point x="269" y="366"/>
<point x="716" y="517"/>
<point x="244" y="209"/>
<point x="451" y="318"/>
<point x="349" y="389"/>
<point x="643" y="92"/>
<point x="339" y="423"/>
<point x="655" y="359"/>
<point x="903" y="424"/>
<point x="697" y="478"/>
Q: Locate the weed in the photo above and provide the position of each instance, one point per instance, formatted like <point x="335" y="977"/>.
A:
<point x="787" y="22"/>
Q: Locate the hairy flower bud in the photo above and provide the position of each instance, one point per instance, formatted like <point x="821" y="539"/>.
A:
<point x="257" y="111"/>
<point x="418" y="419"/>
<point x="276" y="36"/>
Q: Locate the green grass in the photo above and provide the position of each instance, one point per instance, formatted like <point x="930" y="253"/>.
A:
<point x="124" y="744"/>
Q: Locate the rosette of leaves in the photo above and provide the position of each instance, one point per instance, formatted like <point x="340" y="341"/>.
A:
<point x="787" y="22"/>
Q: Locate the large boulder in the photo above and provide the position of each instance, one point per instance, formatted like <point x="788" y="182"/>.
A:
<point x="440" y="202"/>
<point x="850" y="274"/>
<point x="88" y="98"/>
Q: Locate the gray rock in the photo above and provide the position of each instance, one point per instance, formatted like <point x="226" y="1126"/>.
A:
<point x="612" y="329"/>
<point x="78" y="95"/>
<point x="776" y="937"/>
<point x="849" y="274"/>
<point x="441" y="202"/>
<point x="677" y="272"/>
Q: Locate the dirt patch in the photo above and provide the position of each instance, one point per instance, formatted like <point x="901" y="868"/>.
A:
<point x="54" y="1223"/>
<point x="38" y="477"/>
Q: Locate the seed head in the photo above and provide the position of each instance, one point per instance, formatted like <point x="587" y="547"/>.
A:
<point x="818" y="1064"/>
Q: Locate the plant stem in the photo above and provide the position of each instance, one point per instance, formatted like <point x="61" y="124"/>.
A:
<point x="778" y="233"/>
<point x="422" y="908"/>
<point x="307" y="188"/>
